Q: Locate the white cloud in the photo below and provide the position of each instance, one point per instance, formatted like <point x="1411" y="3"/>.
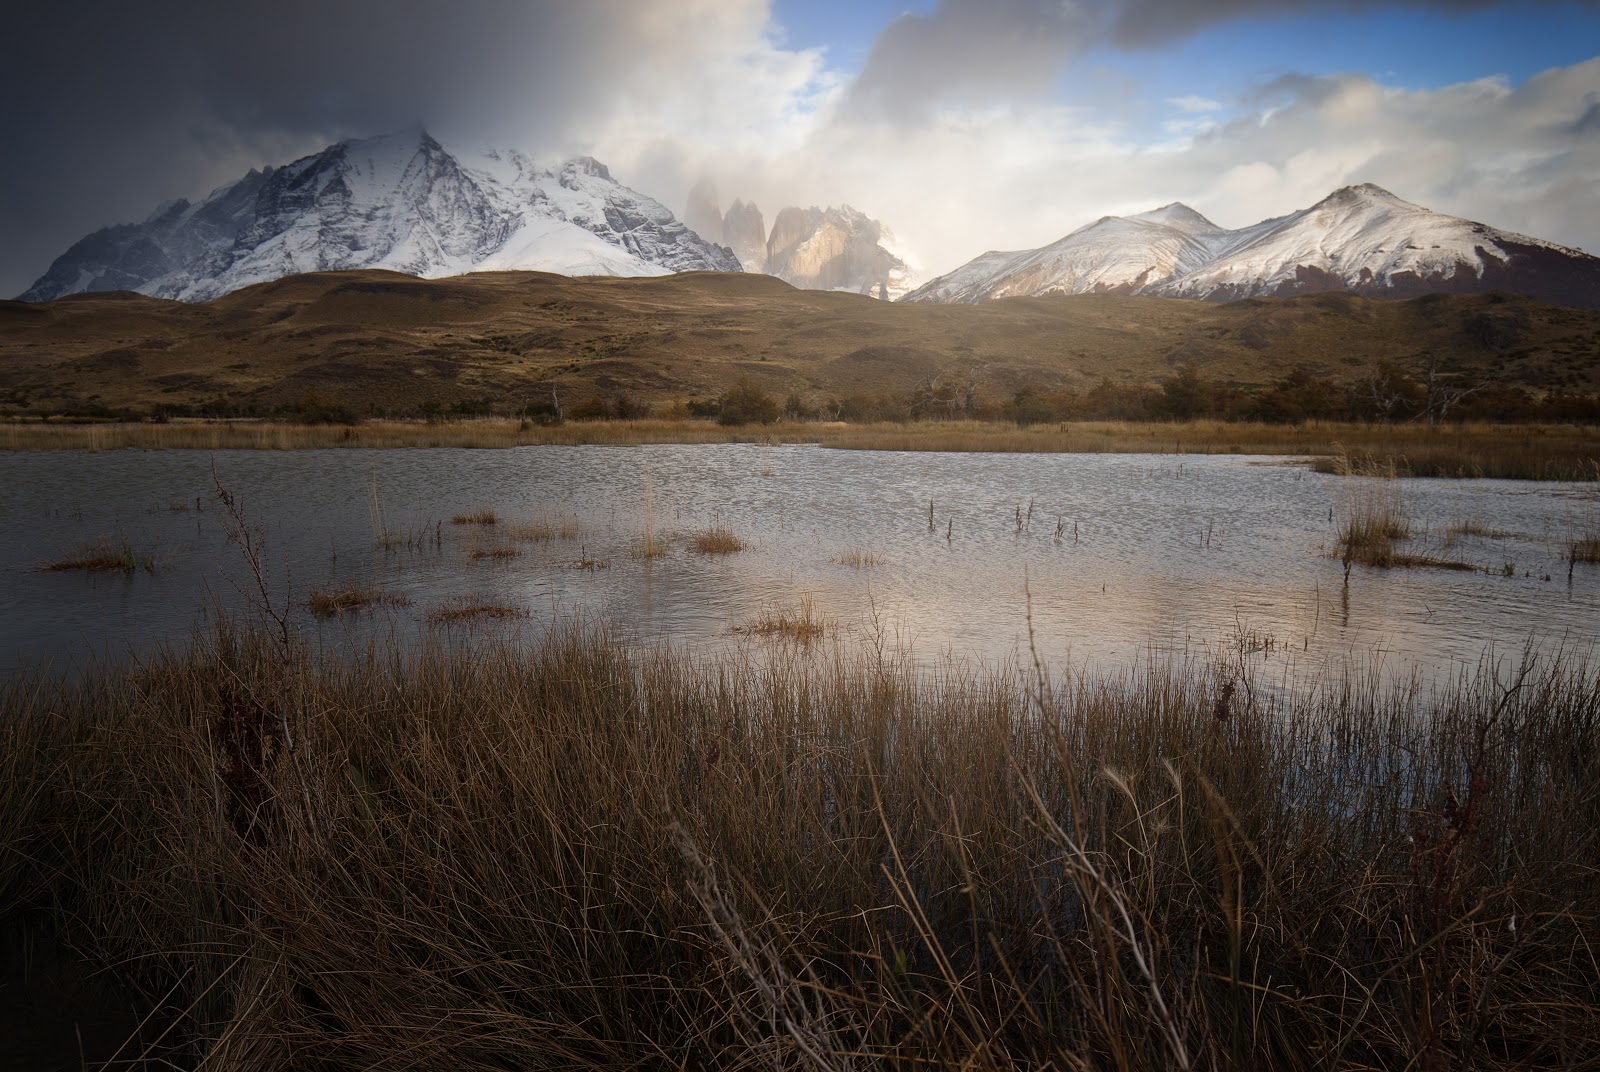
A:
<point x="1193" y="104"/>
<point x="1024" y="173"/>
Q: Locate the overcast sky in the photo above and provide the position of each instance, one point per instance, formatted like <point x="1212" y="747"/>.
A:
<point x="964" y="125"/>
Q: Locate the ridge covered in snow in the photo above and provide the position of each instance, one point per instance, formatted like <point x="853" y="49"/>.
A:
<point x="400" y="201"/>
<point x="1361" y="239"/>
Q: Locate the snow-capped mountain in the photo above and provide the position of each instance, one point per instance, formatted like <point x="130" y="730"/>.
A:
<point x="400" y="201"/>
<point x="1113" y="255"/>
<point x="1361" y="239"/>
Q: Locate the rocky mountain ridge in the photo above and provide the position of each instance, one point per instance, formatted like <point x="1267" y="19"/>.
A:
<point x="833" y="248"/>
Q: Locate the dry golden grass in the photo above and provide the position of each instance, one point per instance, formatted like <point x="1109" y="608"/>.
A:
<point x="333" y="601"/>
<point x="857" y="559"/>
<point x="476" y="517"/>
<point x="486" y="432"/>
<point x="477" y="855"/>
<point x="717" y="540"/>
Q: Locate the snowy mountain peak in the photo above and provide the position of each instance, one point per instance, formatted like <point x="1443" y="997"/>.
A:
<point x="1361" y="239"/>
<point x="1180" y="216"/>
<point x="401" y="201"/>
<point x="1365" y="191"/>
<point x="586" y="165"/>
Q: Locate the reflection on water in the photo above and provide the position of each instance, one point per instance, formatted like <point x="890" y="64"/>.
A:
<point x="1117" y="555"/>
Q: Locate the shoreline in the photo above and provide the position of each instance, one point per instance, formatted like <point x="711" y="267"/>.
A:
<point x="1509" y="451"/>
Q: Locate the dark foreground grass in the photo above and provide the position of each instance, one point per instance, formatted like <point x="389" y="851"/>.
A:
<point x="486" y="857"/>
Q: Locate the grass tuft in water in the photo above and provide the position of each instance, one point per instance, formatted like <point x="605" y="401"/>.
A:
<point x="562" y="525"/>
<point x="333" y="601"/>
<point x="475" y="610"/>
<point x="802" y="622"/>
<point x="105" y="557"/>
<point x="500" y="552"/>
<point x="717" y="540"/>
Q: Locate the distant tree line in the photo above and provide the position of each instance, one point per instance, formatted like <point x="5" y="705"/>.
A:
<point x="1387" y="392"/>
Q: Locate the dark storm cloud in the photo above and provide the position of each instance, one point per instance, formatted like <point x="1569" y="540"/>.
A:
<point x="988" y="50"/>
<point x="967" y="50"/>
<point x="1142" y="23"/>
<point x="117" y="106"/>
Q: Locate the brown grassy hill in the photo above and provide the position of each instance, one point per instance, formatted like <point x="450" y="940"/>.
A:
<point x="383" y="342"/>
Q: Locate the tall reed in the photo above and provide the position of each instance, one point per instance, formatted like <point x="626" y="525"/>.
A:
<point x="561" y="853"/>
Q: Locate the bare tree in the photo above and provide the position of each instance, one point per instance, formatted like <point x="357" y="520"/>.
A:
<point x="1439" y="398"/>
<point x="953" y="393"/>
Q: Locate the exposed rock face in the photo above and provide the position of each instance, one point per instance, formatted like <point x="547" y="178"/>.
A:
<point x="703" y="213"/>
<point x="833" y="249"/>
<point x="1360" y="239"/>
<point x="401" y="201"/>
<point x="745" y="232"/>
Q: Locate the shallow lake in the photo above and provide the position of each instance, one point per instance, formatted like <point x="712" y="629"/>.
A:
<point x="1113" y="557"/>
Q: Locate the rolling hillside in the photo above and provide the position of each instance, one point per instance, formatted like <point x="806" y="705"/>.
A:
<point x="383" y="342"/>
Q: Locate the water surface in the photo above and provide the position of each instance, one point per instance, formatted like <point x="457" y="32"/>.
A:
<point x="1111" y="557"/>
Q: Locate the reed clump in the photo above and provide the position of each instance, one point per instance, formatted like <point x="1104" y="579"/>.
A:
<point x="857" y="559"/>
<point x="1374" y="517"/>
<point x="475" y="610"/>
<point x="561" y="525"/>
<point x="475" y="517"/>
<point x="802" y="622"/>
<point x="1471" y="527"/>
<point x="1585" y="546"/>
<point x="717" y="540"/>
<point x="352" y="597"/>
<point x="1375" y="520"/>
<point x="499" y="552"/>
<point x="482" y="855"/>
<point x="104" y="557"/>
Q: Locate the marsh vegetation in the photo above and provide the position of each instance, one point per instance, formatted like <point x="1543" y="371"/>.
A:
<point x="564" y="852"/>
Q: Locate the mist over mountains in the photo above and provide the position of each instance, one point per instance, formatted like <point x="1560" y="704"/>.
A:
<point x="836" y="248"/>
<point x="405" y="202"/>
